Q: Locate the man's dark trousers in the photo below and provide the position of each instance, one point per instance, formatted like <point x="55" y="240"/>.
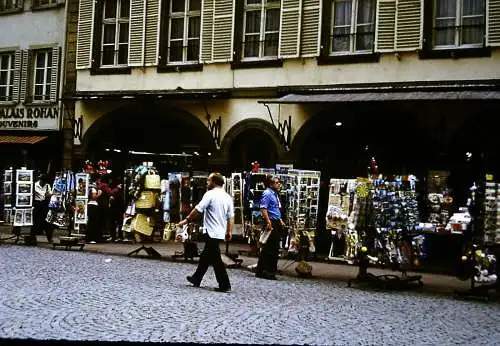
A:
<point x="211" y="256"/>
<point x="268" y="258"/>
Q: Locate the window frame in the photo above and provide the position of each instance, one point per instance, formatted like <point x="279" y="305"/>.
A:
<point x="10" y="77"/>
<point x="353" y="30"/>
<point x="186" y="15"/>
<point x="326" y="58"/>
<point x="96" y="67"/>
<point x="429" y="51"/>
<point x="18" y="7"/>
<point x="264" y="6"/>
<point x="47" y="75"/>
<point x="458" y="27"/>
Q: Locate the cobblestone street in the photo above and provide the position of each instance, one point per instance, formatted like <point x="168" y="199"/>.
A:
<point x="47" y="294"/>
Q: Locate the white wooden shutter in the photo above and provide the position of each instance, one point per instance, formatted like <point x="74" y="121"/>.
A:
<point x="25" y="73"/>
<point x="409" y="25"/>
<point x="385" y="26"/>
<point x="18" y="58"/>
<point x="152" y="32"/>
<point x="493" y="23"/>
<point x="207" y="30"/>
<point x="311" y="28"/>
<point x="223" y="29"/>
<point x="85" y="32"/>
<point x="136" y="33"/>
<point x="54" y="76"/>
<point x="289" y="45"/>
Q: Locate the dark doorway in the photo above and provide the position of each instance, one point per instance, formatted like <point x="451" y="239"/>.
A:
<point x="252" y="145"/>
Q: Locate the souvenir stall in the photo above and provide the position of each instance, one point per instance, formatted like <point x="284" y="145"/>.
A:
<point x="61" y="212"/>
<point x="235" y="187"/>
<point x="18" y="190"/>
<point x="144" y="215"/>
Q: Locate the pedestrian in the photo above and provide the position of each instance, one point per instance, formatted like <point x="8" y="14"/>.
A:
<point x="93" y="233"/>
<point x="43" y="191"/>
<point x="267" y="265"/>
<point x="218" y="220"/>
<point x="116" y="209"/>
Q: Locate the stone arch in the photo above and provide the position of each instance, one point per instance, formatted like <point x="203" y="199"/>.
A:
<point x="254" y="125"/>
<point x="143" y="112"/>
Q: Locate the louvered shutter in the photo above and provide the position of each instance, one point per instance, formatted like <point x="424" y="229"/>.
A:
<point x="136" y="33"/>
<point x="223" y="31"/>
<point x="152" y="32"/>
<point x="385" y="26"/>
<point x="25" y="74"/>
<point x="310" y="28"/>
<point x="290" y="28"/>
<point x="18" y="59"/>
<point x="54" y="80"/>
<point x="207" y="30"/>
<point x="409" y="25"/>
<point x="85" y="32"/>
<point x="493" y="23"/>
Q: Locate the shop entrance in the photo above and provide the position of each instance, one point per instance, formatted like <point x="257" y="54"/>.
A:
<point x="252" y="145"/>
<point x="173" y="139"/>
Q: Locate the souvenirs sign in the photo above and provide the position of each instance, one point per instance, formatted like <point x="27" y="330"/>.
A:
<point x="29" y="118"/>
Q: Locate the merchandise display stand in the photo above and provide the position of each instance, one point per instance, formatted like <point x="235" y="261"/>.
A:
<point x="190" y="247"/>
<point x="385" y="281"/>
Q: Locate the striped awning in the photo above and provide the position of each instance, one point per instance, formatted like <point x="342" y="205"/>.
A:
<point x="21" y="139"/>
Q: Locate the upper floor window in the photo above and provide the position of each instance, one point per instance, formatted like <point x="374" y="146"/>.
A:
<point x="184" y="31"/>
<point x="261" y="29"/>
<point x="115" y="32"/>
<point x="45" y="3"/>
<point x="42" y="75"/>
<point x="459" y="23"/>
<point x="6" y="77"/>
<point x="352" y="26"/>
<point x="10" y="5"/>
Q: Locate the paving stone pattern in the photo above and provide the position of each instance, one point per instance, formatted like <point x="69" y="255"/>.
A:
<point x="52" y="294"/>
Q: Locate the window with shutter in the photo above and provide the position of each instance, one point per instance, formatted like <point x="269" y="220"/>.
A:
<point x="7" y="76"/>
<point x="41" y="4"/>
<point x="41" y="76"/>
<point x="454" y="29"/>
<point x="493" y="33"/>
<point x="386" y="26"/>
<point x="24" y="87"/>
<point x="311" y="27"/>
<point x="85" y="33"/>
<point x="115" y="33"/>
<point x="207" y="23"/>
<point x="18" y="57"/>
<point x="54" y="77"/>
<point x="152" y="32"/>
<point x="408" y="25"/>
<point x="291" y="14"/>
<point x="223" y="30"/>
<point x="184" y="23"/>
<point x="136" y="39"/>
<point x="261" y="26"/>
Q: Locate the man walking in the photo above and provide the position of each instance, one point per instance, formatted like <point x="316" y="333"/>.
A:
<point x="270" y="205"/>
<point x="218" y="220"/>
<point x="42" y="194"/>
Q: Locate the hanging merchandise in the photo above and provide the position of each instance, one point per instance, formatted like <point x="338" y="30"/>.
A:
<point x="18" y="196"/>
<point x="235" y="186"/>
<point x="62" y="200"/>
<point x="174" y="194"/>
<point x="492" y="213"/>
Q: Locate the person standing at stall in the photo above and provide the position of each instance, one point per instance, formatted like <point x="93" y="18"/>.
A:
<point x="43" y="191"/>
<point x="270" y="205"/>
<point x="218" y="220"/>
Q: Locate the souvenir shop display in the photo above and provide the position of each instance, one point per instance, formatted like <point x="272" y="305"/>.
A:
<point x="81" y="199"/>
<point x="18" y="190"/>
<point x="7" y="182"/>
<point x="492" y="213"/>
<point x="234" y="187"/>
<point x="479" y="266"/>
<point x="62" y="200"/>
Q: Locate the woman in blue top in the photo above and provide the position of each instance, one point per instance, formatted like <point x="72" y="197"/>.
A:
<point x="270" y="205"/>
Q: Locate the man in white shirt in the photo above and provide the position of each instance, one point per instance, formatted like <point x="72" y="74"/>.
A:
<point x="218" y="220"/>
<point x="43" y="191"/>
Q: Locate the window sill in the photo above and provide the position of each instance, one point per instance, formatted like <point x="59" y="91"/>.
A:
<point x="257" y="64"/>
<point x="348" y="59"/>
<point x="10" y="11"/>
<point x="455" y="53"/>
<point x="110" y="70"/>
<point x="36" y="8"/>
<point x="180" y="68"/>
<point x="8" y="103"/>
<point x="39" y="103"/>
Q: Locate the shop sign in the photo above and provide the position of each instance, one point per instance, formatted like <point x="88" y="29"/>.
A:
<point x="29" y="118"/>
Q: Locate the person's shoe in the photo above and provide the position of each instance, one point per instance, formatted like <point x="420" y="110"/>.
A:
<point x="223" y="289"/>
<point x="191" y="280"/>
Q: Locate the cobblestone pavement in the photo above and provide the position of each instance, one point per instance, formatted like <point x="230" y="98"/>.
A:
<point x="50" y="294"/>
